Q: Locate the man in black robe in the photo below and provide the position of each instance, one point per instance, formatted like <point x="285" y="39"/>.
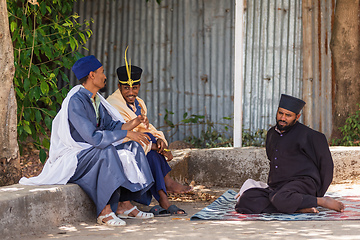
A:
<point x="301" y="167"/>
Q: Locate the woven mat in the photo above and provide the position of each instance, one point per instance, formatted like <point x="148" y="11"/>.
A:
<point x="223" y="208"/>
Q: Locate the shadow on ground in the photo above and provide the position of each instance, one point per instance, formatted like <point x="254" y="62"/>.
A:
<point x="182" y="228"/>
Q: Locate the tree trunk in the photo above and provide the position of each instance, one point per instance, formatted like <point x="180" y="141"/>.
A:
<point x="10" y="170"/>
<point x="345" y="46"/>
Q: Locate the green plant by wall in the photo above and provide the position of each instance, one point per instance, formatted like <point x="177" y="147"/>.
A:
<point x="46" y="37"/>
<point x="210" y="137"/>
<point x="350" y="131"/>
<point x="158" y="1"/>
<point x="255" y="139"/>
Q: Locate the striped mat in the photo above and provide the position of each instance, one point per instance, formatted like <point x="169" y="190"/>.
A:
<point x="223" y="208"/>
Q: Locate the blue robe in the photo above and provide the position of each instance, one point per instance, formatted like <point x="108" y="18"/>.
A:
<point x="99" y="171"/>
<point x="158" y="165"/>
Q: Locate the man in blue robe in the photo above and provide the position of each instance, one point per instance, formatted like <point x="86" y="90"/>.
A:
<point x="86" y="149"/>
<point x="126" y="101"/>
<point x="100" y="172"/>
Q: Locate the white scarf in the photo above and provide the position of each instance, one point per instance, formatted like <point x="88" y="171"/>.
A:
<point x="62" y="161"/>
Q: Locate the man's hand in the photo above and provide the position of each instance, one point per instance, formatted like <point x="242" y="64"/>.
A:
<point x="139" y="137"/>
<point x="160" y="145"/>
<point x="144" y="120"/>
<point x="161" y="148"/>
<point x="168" y="155"/>
<point x="130" y="125"/>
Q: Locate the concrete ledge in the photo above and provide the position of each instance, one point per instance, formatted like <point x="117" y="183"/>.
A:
<point x="230" y="167"/>
<point x="32" y="209"/>
<point x="346" y="163"/>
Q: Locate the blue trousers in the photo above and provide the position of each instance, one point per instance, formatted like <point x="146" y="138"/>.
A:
<point x="159" y="169"/>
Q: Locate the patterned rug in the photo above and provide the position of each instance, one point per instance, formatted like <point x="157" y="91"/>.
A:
<point x="223" y="208"/>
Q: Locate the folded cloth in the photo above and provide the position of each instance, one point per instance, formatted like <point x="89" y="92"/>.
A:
<point x="250" y="183"/>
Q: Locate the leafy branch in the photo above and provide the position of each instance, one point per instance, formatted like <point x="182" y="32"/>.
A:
<point x="46" y="38"/>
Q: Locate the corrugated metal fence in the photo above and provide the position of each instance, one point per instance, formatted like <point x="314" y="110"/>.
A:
<point x="273" y="59"/>
<point x="185" y="48"/>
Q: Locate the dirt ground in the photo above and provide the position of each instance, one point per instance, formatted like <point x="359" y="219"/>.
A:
<point x="29" y="161"/>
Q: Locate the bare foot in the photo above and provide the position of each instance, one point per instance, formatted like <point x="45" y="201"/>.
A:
<point x="105" y="211"/>
<point x="330" y="203"/>
<point x="175" y="187"/>
<point x="308" y="210"/>
<point x="124" y="206"/>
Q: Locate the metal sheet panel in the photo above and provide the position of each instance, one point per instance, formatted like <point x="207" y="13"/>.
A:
<point x="184" y="47"/>
<point x="273" y="60"/>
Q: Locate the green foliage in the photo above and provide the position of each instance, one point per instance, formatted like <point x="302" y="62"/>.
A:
<point x="350" y="131"/>
<point x="166" y="118"/>
<point x="46" y="38"/>
<point x="158" y="1"/>
<point x="256" y="139"/>
<point x="211" y="137"/>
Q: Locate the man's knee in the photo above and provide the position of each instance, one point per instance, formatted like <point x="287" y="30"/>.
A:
<point x="135" y="148"/>
<point x="107" y="156"/>
<point x="253" y="200"/>
<point x="279" y="202"/>
<point x="242" y="206"/>
<point x="286" y="201"/>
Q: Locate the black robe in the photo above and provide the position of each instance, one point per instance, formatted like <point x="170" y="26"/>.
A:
<point x="301" y="169"/>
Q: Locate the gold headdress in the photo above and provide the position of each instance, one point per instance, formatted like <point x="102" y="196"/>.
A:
<point x="130" y="82"/>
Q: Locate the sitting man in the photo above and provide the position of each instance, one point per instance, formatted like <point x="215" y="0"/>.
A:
<point x="86" y="149"/>
<point x="301" y="168"/>
<point x="130" y="106"/>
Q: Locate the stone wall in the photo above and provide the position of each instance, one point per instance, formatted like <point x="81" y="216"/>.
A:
<point x="230" y="167"/>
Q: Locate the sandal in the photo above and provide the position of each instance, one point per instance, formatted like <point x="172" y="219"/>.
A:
<point x="114" y="222"/>
<point x="140" y="215"/>
<point x="158" y="211"/>
<point x="173" y="210"/>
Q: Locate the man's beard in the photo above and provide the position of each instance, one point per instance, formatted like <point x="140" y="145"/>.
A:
<point x="286" y="127"/>
<point x="102" y="90"/>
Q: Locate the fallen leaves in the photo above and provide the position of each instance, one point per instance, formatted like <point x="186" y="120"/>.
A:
<point x="199" y="194"/>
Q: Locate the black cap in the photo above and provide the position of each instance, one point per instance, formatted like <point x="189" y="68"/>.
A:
<point x="290" y="103"/>
<point x="134" y="76"/>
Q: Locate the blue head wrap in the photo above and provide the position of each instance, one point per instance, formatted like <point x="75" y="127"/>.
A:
<point x="85" y="65"/>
